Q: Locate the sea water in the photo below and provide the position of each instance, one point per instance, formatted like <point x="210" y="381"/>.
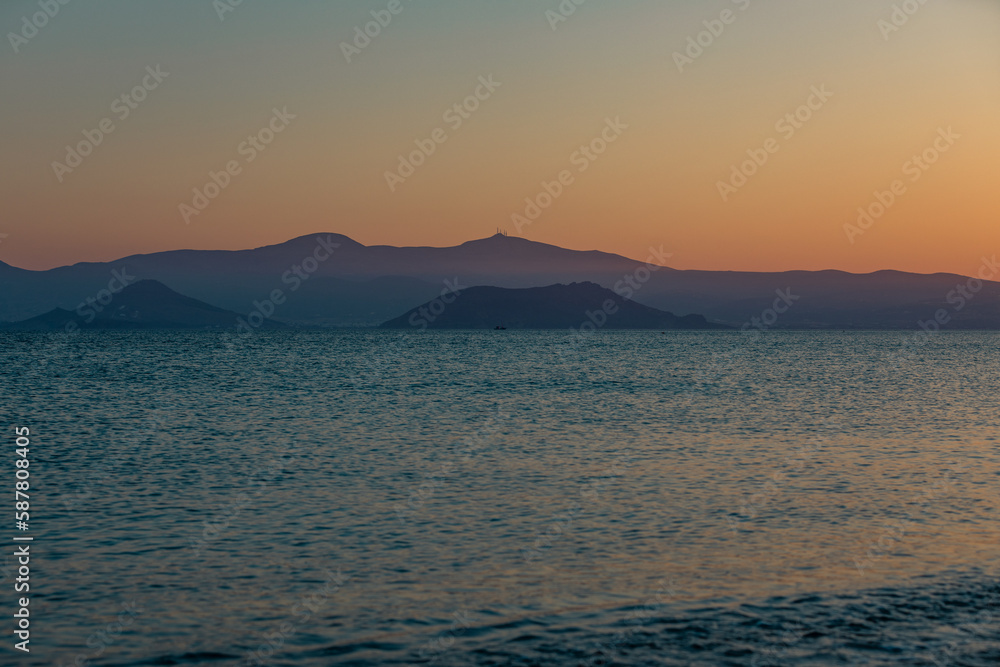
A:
<point x="507" y="498"/>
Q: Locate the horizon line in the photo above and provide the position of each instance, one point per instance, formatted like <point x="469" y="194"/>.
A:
<point x="497" y="235"/>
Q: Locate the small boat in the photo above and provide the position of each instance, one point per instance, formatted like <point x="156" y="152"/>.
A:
<point x="499" y="327"/>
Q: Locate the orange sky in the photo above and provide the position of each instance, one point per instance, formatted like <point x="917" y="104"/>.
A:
<point x="556" y="85"/>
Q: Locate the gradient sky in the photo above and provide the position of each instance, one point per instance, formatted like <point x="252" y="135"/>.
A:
<point x="655" y="185"/>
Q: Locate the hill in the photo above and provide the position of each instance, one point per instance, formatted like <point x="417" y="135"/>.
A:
<point x="331" y="280"/>
<point x="146" y="304"/>
<point x="552" y="307"/>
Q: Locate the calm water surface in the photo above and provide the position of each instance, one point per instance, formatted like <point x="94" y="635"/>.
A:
<point x="328" y="498"/>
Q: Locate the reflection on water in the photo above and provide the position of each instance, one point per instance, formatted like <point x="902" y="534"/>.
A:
<point x="316" y="498"/>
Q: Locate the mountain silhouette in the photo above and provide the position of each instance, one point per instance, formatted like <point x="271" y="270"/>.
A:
<point x="552" y="307"/>
<point x="331" y="280"/>
<point x="146" y="304"/>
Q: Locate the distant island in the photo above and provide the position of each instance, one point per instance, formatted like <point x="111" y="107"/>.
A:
<point x="577" y="305"/>
<point x="146" y="304"/>
<point x="330" y="280"/>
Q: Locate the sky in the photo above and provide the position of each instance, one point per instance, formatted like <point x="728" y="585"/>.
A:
<point x="627" y="123"/>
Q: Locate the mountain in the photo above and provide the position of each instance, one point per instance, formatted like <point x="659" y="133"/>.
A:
<point x="552" y="307"/>
<point x="829" y="299"/>
<point x="146" y="304"/>
<point x="331" y="280"/>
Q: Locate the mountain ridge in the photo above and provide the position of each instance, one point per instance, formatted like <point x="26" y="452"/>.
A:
<point x="341" y="238"/>
<point x="145" y="304"/>
<point x="341" y="282"/>
<point x="574" y="306"/>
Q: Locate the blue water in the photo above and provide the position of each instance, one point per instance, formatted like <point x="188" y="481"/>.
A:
<point x="328" y="498"/>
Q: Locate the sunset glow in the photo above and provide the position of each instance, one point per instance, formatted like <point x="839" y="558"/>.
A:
<point x="693" y="113"/>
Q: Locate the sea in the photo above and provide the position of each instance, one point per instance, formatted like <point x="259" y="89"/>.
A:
<point x="369" y="497"/>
